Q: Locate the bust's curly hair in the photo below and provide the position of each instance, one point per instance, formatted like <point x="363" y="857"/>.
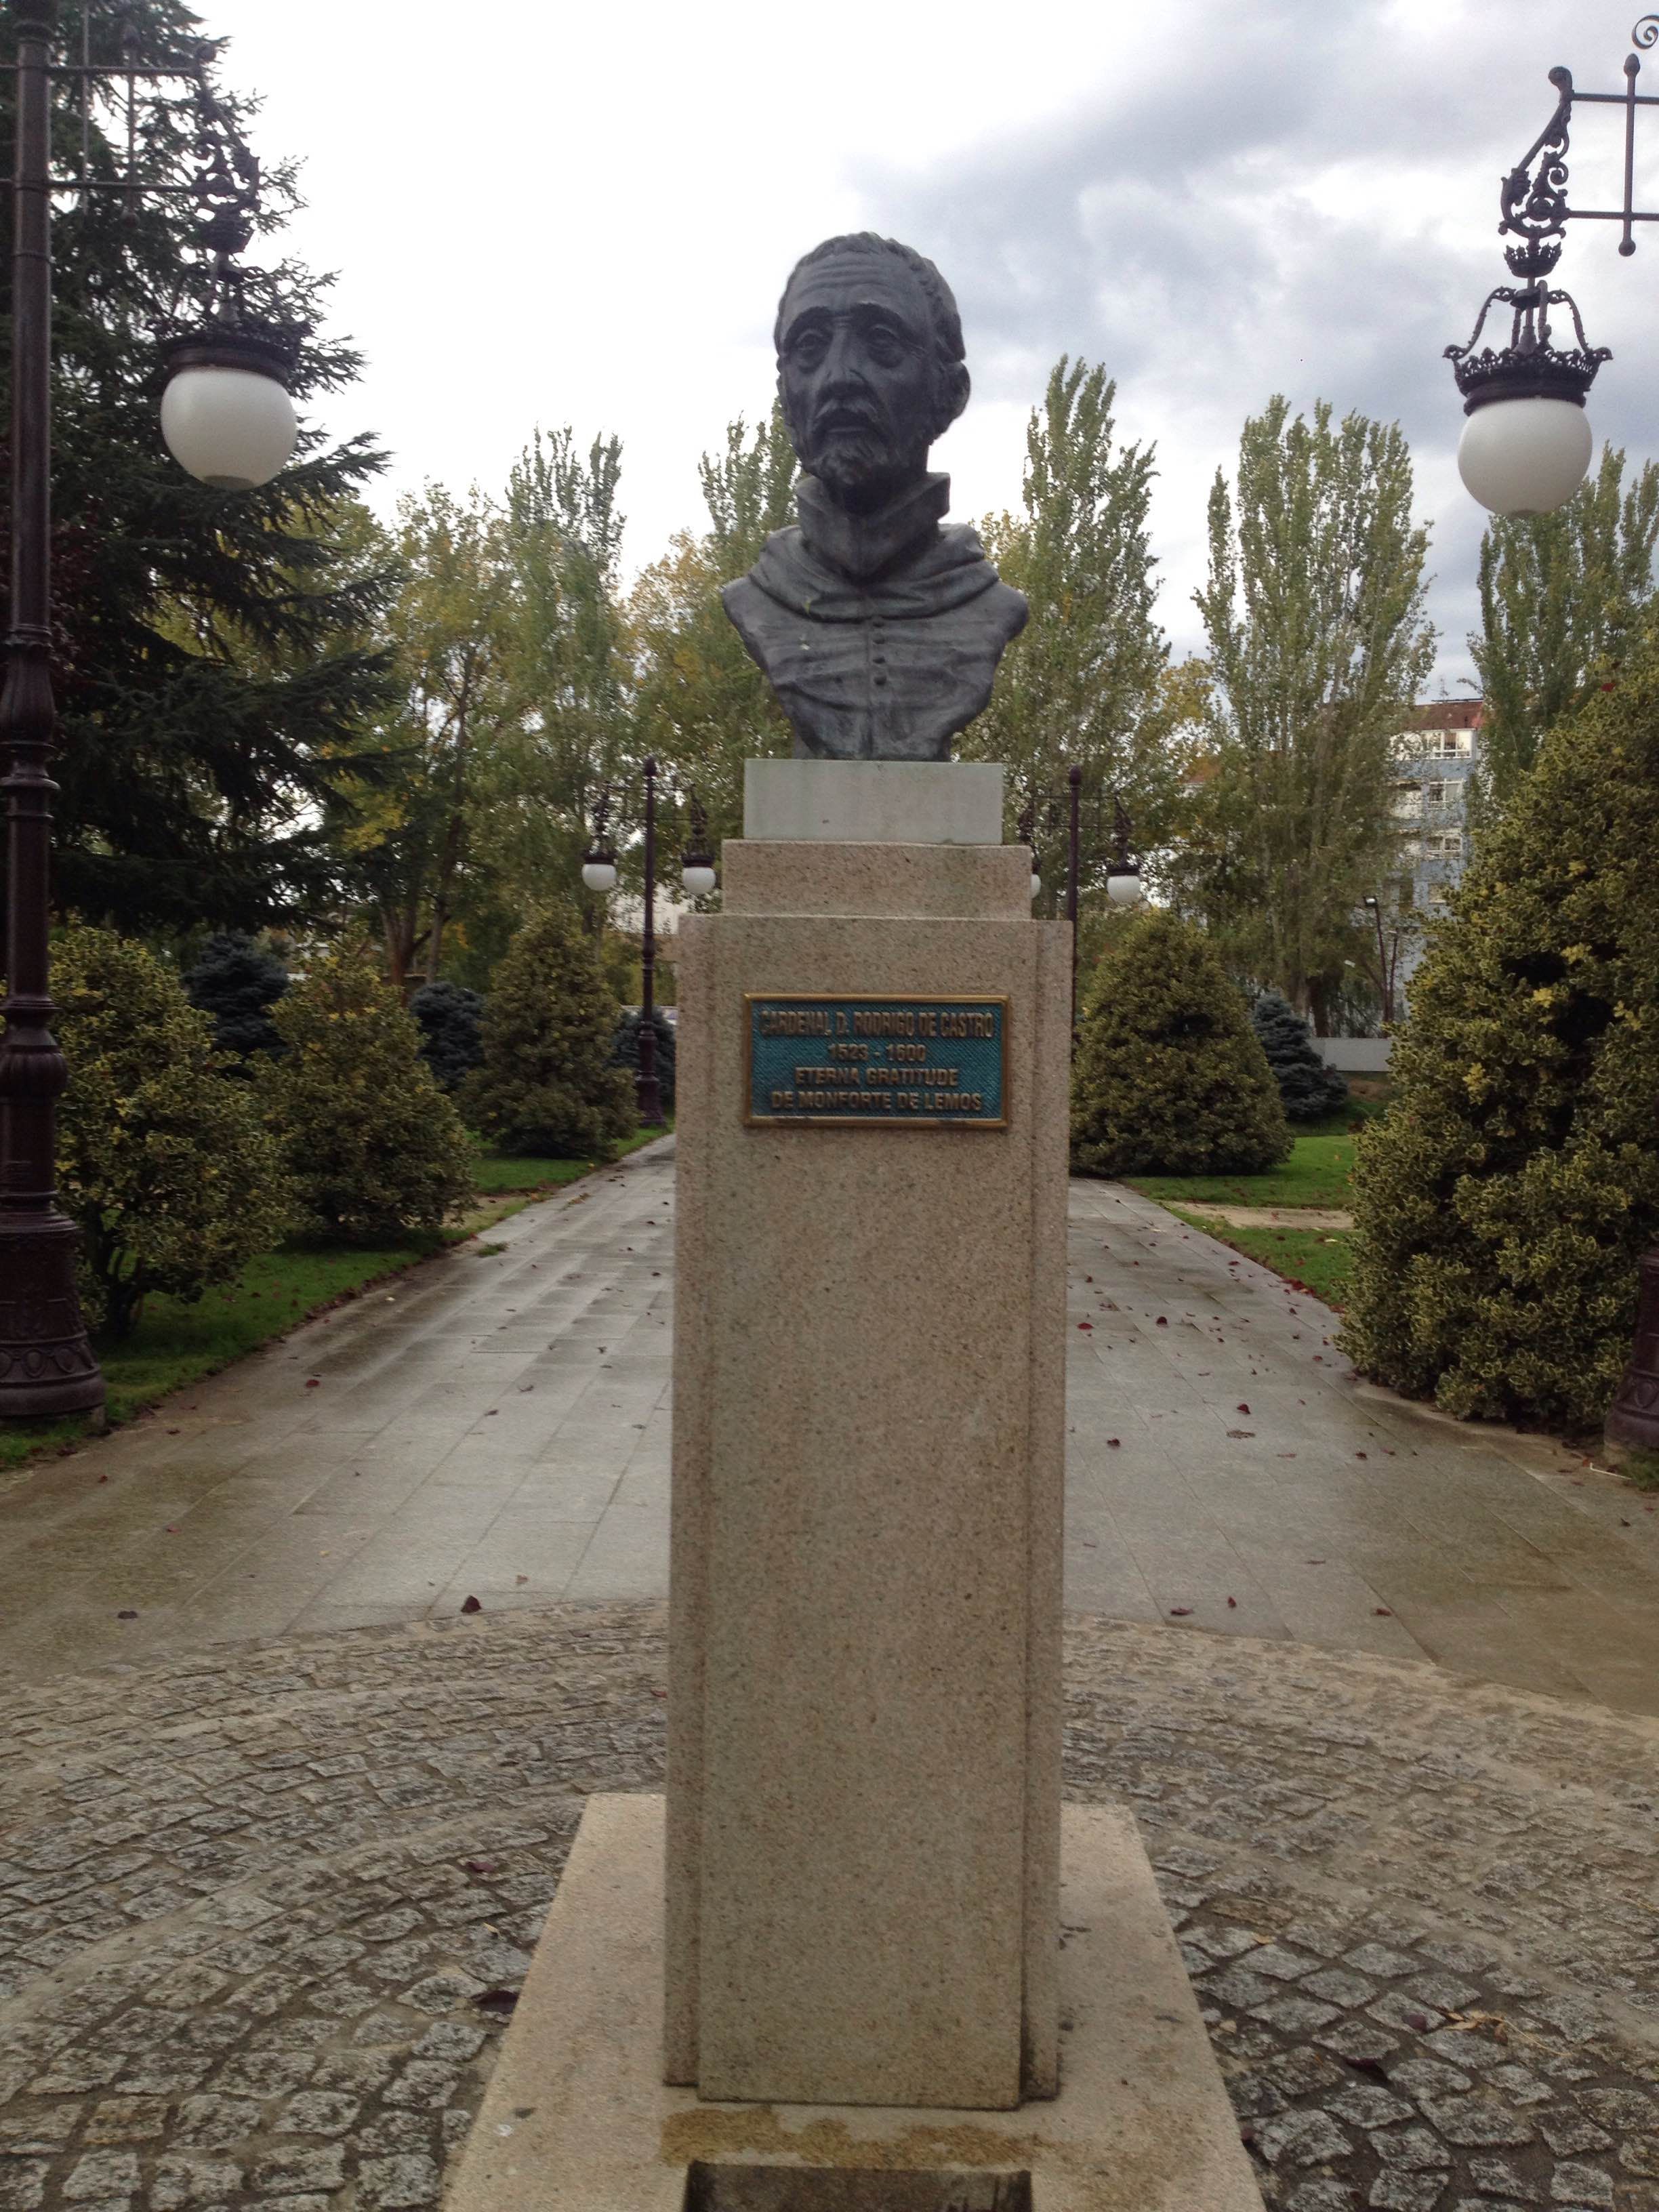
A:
<point x="951" y="380"/>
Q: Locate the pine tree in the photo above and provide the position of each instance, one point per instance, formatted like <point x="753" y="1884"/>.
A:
<point x="237" y="984"/>
<point x="548" y="1085"/>
<point x="1504" y="1201"/>
<point x="374" y="1147"/>
<point x="211" y="671"/>
<point x="449" y="1018"/>
<point x="1318" y="645"/>
<point x="1170" y="1078"/>
<point x="165" y="1167"/>
<point x="1309" y="1089"/>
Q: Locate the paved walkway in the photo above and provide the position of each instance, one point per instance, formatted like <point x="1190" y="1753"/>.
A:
<point x="497" y="1427"/>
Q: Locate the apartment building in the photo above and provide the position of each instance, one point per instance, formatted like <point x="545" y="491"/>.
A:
<point x="1435" y="758"/>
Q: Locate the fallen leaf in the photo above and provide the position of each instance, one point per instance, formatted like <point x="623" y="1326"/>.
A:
<point x="1361" y="1454"/>
<point x="1163" y="1321"/>
<point x="471" y="1605"/>
<point x="1112" y="1444"/>
<point x="1085" y="1324"/>
<point x="1179" y="1611"/>
<point x="1241" y="1433"/>
<point x="521" y="1578"/>
<point x="482" y="1866"/>
<point x="127" y="1615"/>
<point x="1233" y="1601"/>
<point x="1242" y="1407"/>
<point x="1383" y="1612"/>
<point x="313" y="1382"/>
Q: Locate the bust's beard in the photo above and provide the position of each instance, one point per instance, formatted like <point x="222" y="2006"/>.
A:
<point x="863" y="472"/>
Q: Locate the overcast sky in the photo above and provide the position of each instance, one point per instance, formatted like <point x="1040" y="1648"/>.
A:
<point x="541" y="211"/>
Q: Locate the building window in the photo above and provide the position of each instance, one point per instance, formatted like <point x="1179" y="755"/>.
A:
<point x="1447" y="845"/>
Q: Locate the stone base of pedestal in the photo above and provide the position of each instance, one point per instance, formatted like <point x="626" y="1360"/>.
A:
<point x="576" y="2117"/>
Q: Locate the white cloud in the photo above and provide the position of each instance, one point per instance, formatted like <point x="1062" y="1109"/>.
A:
<point x="543" y="211"/>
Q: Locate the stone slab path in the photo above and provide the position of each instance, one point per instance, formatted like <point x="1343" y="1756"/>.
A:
<point x="496" y="1427"/>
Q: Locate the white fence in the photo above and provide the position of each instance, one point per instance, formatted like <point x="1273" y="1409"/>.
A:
<point x="1356" y="1055"/>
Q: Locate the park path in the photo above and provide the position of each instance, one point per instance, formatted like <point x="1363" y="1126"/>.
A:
<point x="496" y="1427"/>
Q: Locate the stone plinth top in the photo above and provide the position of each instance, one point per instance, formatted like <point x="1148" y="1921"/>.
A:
<point x="941" y="883"/>
<point x="873" y="802"/>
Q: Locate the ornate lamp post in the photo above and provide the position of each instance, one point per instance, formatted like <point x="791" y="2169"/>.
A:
<point x="1526" y="449"/>
<point x="227" y="418"/>
<point x="698" y="877"/>
<point x="1123" y="883"/>
<point x="1527" y="444"/>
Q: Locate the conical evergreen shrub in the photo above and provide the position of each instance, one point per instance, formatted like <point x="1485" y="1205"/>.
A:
<point x="165" y="1167"/>
<point x="548" y="1085"/>
<point x="1170" y="1078"/>
<point x="1308" y="1090"/>
<point x="625" y="1049"/>
<point x="372" y="1143"/>
<point x="450" y="1018"/>
<point x="238" y="984"/>
<point x="1504" y="1201"/>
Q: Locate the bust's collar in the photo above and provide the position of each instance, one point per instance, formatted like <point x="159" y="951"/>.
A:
<point x="862" y="545"/>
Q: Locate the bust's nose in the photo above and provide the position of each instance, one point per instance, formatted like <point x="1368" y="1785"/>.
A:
<point x="843" y="359"/>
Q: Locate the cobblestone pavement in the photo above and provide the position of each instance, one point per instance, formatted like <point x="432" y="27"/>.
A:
<point x="262" y="1910"/>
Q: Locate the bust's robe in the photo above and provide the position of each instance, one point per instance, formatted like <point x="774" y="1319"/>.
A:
<point x="880" y="634"/>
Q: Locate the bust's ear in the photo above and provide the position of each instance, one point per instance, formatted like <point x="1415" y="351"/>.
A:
<point x="954" y="387"/>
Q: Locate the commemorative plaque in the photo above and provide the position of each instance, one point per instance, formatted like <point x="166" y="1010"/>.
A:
<point x="882" y="1062"/>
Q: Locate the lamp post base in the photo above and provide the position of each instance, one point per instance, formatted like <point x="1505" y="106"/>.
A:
<point x="1633" y="1417"/>
<point x="46" y="1363"/>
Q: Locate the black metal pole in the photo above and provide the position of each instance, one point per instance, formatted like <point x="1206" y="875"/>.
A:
<point x="46" y="1365"/>
<point x="1074" y="781"/>
<point x="649" y="1093"/>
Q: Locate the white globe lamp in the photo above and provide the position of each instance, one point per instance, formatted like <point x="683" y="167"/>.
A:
<point x="226" y="413"/>
<point x="698" y="877"/>
<point x="1527" y="456"/>
<point x="599" y="870"/>
<point x="1124" y="886"/>
<point x="1037" y="882"/>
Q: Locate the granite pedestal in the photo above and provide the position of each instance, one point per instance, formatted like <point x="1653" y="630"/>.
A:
<point x="864" y="1765"/>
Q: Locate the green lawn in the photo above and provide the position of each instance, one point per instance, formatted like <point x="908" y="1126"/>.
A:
<point x="1315" y="1174"/>
<point x="496" y="1171"/>
<point x="1315" y="1260"/>
<point x="174" y="1346"/>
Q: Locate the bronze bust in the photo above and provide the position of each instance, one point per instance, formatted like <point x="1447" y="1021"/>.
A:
<point x="878" y="626"/>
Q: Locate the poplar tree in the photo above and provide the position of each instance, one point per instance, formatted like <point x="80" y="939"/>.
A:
<point x="1317" y="646"/>
<point x="703" y="707"/>
<point x="1084" y="685"/>
<point x="1559" y="594"/>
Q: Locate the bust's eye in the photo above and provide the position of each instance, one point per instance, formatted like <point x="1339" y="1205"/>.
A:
<point x="807" y="347"/>
<point x="885" y="344"/>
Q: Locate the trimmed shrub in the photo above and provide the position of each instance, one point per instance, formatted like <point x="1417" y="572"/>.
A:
<point x="373" y="1145"/>
<point x="167" y="1168"/>
<point x="1170" y="1078"/>
<point x="625" y="1049"/>
<point x="1308" y="1090"/>
<point x="449" y="1018"/>
<point x="1503" y="1202"/>
<point x="548" y="1084"/>
<point x="237" y="984"/>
